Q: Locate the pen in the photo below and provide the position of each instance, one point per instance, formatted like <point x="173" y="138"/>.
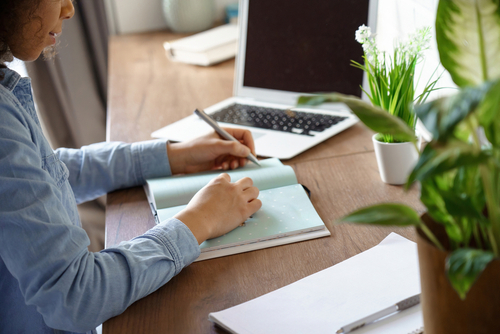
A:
<point x="222" y="132"/>
<point x="402" y="305"/>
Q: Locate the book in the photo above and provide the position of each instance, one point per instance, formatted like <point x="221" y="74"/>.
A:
<point x="205" y="48"/>
<point x="287" y="214"/>
<point x="331" y="298"/>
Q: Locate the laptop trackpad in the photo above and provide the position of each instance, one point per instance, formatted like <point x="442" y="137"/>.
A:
<point x="256" y="135"/>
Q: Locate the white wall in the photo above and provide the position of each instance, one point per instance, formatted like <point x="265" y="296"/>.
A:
<point x="397" y="19"/>
<point x="130" y="16"/>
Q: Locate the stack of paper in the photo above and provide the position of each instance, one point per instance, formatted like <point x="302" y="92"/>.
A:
<point x="334" y="297"/>
<point x="205" y="48"/>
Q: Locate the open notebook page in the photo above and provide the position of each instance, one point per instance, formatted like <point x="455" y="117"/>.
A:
<point x="336" y="296"/>
<point x="285" y="211"/>
<point x="178" y="190"/>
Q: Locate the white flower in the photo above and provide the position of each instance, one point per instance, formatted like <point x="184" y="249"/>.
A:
<point x="365" y="38"/>
<point x="363" y="34"/>
<point x="417" y="43"/>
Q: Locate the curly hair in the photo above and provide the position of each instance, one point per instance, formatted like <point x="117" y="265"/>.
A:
<point x="14" y="14"/>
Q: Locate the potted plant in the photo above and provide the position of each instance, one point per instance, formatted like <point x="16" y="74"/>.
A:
<point x="459" y="236"/>
<point x="392" y="88"/>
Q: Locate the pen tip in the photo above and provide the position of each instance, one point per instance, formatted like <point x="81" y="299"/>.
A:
<point x="340" y="331"/>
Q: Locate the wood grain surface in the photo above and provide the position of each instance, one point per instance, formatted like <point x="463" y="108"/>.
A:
<point x="146" y="92"/>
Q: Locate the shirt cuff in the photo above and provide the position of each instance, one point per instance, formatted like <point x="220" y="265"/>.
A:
<point x="180" y="241"/>
<point x="151" y="159"/>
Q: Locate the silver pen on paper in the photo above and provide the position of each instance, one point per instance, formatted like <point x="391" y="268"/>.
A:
<point x="222" y="132"/>
<point x="402" y="305"/>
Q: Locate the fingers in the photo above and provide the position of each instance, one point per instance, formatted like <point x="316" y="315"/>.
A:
<point x="245" y="182"/>
<point x="251" y="194"/>
<point x="243" y="135"/>
<point x="234" y="148"/>
<point x="230" y="154"/>
<point x="223" y="176"/>
<point x="232" y="164"/>
<point x="254" y="206"/>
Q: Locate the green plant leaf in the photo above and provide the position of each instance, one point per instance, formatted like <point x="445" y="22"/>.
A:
<point x="464" y="266"/>
<point x="454" y="233"/>
<point x="441" y="116"/>
<point x="460" y="205"/>
<point x="375" y="118"/>
<point x="468" y="39"/>
<point x="431" y="197"/>
<point x="489" y="114"/>
<point x="384" y="214"/>
<point x="435" y="161"/>
<point x="468" y="181"/>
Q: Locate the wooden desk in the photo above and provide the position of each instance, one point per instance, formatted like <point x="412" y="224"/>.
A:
<point x="146" y="92"/>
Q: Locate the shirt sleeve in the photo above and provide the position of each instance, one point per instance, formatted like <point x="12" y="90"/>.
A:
<point x="97" y="169"/>
<point x="72" y="288"/>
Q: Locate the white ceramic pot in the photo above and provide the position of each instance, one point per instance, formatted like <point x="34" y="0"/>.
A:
<point x="395" y="160"/>
<point x="189" y="15"/>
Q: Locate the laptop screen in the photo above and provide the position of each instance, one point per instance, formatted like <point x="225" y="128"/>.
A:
<point x="304" y="46"/>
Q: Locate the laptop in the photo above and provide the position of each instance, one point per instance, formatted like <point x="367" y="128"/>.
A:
<point x="289" y="48"/>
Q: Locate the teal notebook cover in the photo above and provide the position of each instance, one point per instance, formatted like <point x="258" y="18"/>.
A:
<point x="286" y="208"/>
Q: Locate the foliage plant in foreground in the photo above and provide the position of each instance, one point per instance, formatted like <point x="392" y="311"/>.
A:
<point x="459" y="172"/>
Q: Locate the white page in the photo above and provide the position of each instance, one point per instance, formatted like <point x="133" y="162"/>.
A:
<point x="178" y="190"/>
<point x="336" y="296"/>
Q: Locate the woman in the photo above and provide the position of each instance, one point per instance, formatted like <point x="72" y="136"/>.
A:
<point x="49" y="281"/>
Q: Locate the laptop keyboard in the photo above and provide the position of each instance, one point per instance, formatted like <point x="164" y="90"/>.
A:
<point x="276" y="119"/>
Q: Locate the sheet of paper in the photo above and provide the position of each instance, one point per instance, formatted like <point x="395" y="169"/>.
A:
<point x="178" y="190"/>
<point x="336" y="296"/>
<point x="285" y="211"/>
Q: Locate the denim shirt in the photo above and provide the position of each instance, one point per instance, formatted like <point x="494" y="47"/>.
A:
<point x="49" y="281"/>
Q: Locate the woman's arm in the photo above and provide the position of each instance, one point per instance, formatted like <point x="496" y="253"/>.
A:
<point x="46" y="251"/>
<point x="97" y="169"/>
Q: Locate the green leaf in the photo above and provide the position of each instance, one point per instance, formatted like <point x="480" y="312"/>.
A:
<point x="375" y="118"/>
<point x="431" y="197"/>
<point x="441" y="116"/>
<point x="490" y="107"/>
<point x="460" y="205"/>
<point x="464" y="266"/>
<point x="454" y="232"/>
<point x="384" y="214"/>
<point x="468" y="39"/>
<point x="489" y="114"/>
<point x="435" y="161"/>
<point x="468" y="181"/>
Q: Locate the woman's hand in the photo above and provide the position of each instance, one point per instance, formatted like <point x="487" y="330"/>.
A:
<point x="211" y="152"/>
<point x="219" y="207"/>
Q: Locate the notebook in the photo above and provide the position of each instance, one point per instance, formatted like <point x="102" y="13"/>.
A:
<point x="287" y="49"/>
<point x="336" y="296"/>
<point x="287" y="214"/>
